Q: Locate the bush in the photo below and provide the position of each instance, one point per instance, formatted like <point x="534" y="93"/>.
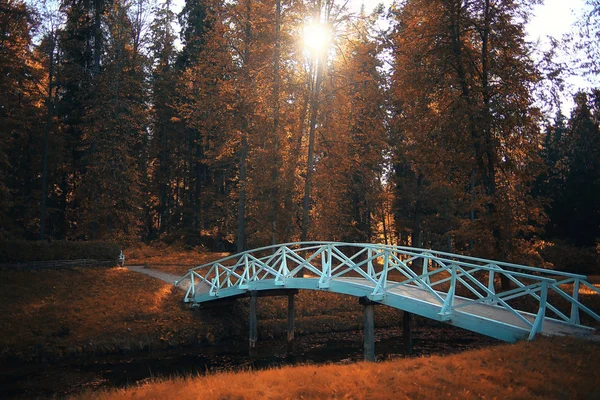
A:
<point x="568" y="258"/>
<point x="29" y="251"/>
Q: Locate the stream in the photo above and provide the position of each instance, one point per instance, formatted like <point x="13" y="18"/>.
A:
<point x="71" y="376"/>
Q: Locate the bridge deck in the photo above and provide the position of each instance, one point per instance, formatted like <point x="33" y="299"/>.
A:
<point x="486" y="319"/>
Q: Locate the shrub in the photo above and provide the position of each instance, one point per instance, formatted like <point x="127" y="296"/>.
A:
<point x="569" y="258"/>
<point x="29" y="251"/>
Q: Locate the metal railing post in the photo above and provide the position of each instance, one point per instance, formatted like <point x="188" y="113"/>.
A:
<point x="370" y="269"/>
<point x="426" y="268"/>
<point x="491" y="286"/>
<point x="538" y="324"/>
<point x="575" y="307"/>
<point x="446" y="311"/>
<point x="326" y="267"/>
<point x="217" y="278"/>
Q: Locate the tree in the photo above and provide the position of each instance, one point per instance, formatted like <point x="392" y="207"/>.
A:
<point x="589" y="37"/>
<point x="19" y="113"/>
<point x="165" y="128"/>
<point x="205" y="105"/>
<point x="581" y="194"/>
<point x="465" y="113"/>
<point x="115" y="124"/>
<point x="50" y="54"/>
<point x="351" y="140"/>
<point x="550" y="184"/>
<point x="81" y="44"/>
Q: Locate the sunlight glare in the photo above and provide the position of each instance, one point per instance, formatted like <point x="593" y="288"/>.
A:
<point x="316" y="36"/>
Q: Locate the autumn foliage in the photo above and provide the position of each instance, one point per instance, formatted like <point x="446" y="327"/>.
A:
<point x="424" y="130"/>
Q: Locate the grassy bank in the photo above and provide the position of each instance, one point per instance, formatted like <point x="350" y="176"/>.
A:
<point x="53" y="314"/>
<point x="549" y="368"/>
<point x="174" y="259"/>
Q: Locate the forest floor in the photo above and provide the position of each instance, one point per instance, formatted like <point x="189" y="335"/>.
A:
<point x="61" y="313"/>
<point x="85" y="312"/>
<point x="548" y="368"/>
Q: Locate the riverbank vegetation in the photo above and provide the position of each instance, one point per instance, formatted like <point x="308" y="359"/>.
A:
<point x="548" y="368"/>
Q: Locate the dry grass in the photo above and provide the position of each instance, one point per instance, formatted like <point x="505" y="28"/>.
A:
<point x="58" y="313"/>
<point x="172" y="259"/>
<point x="549" y="368"/>
<point x="63" y="313"/>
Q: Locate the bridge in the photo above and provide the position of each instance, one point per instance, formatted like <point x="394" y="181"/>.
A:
<point x="498" y="299"/>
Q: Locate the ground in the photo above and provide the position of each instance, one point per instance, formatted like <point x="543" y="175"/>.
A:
<point x="74" y="312"/>
<point x="548" y="368"/>
<point x="53" y="314"/>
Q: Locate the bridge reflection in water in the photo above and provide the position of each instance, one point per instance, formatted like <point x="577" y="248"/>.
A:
<point x="501" y="300"/>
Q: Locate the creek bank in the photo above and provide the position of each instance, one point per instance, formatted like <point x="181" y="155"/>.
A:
<point x="69" y="376"/>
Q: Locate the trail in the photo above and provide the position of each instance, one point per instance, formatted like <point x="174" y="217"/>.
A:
<point x="163" y="276"/>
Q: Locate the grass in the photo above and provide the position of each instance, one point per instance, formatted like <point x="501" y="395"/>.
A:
<point x="548" y="368"/>
<point x="173" y="259"/>
<point x="54" y="314"/>
<point x="69" y="312"/>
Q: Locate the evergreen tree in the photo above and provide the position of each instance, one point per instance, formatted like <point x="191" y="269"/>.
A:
<point x="465" y="115"/>
<point x="581" y="194"/>
<point x="114" y="136"/>
<point x="20" y="130"/>
<point x="351" y="141"/>
<point x="204" y="104"/>
<point x="165" y="128"/>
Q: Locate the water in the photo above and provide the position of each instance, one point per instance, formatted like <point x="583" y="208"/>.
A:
<point x="72" y="376"/>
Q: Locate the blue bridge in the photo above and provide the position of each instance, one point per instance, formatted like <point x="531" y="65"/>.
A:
<point x="501" y="300"/>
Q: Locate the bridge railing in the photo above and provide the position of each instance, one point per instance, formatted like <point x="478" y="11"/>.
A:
<point x="452" y="281"/>
<point x="563" y="286"/>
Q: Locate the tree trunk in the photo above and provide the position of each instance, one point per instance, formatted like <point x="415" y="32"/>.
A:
<point x="49" y="113"/>
<point x="244" y="146"/>
<point x="314" y="110"/>
<point x="276" y="156"/>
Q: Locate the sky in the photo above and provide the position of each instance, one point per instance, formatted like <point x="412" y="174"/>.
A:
<point x="554" y="17"/>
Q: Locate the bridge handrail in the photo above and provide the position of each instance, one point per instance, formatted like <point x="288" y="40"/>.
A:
<point x="411" y="250"/>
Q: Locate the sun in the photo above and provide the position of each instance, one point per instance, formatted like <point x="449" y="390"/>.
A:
<point x="316" y="36"/>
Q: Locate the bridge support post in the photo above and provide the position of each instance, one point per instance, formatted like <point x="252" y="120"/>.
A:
<point x="369" y="329"/>
<point x="407" y="333"/>
<point x="253" y="323"/>
<point x="291" y="321"/>
<point x="369" y="333"/>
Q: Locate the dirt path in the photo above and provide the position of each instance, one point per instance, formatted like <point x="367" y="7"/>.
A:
<point x="163" y="276"/>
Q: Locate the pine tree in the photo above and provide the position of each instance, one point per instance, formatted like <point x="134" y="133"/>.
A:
<point x="462" y="83"/>
<point x="165" y="127"/>
<point x="352" y="141"/>
<point x="20" y="130"/>
<point x="114" y="135"/>
<point x="205" y="105"/>
<point x="81" y="43"/>
<point x="581" y="194"/>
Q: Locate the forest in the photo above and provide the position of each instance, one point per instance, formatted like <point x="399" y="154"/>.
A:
<point x="428" y="124"/>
